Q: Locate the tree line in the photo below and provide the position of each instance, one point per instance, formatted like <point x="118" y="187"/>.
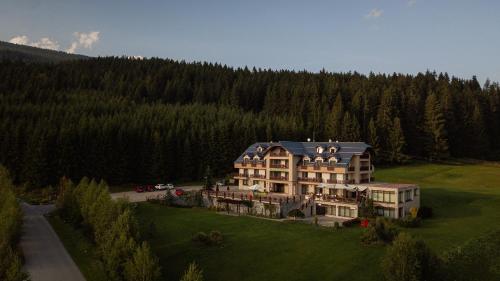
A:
<point x="155" y="120"/>
<point x="10" y="231"/>
<point x="113" y="228"/>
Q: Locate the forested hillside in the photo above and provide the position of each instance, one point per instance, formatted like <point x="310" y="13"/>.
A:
<point x="156" y="120"/>
<point x="15" y="52"/>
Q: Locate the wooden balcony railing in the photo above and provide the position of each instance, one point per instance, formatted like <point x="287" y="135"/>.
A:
<point x="241" y="175"/>
<point x="310" y="179"/>
<point x="281" y="178"/>
<point x="281" y="166"/>
<point x="258" y="176"/>
<point x="364" y="168"/>
<point x="331" y="181"/>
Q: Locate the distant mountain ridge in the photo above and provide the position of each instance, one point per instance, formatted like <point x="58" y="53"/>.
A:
<point x="16" y="52"/>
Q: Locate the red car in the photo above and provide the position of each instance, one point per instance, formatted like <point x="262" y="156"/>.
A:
<point x="149" y="188"/>
<point x="139" y="189"/>
<point x="179" y="192"/>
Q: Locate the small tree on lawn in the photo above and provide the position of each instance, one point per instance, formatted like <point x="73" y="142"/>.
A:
<point x="409" y="259"/>
<point x="142" y="266"/>
<point x="193" y="273"/>
<point x="208" y="178"/>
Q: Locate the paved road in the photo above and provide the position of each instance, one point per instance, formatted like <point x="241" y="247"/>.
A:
<point x="143" y="196"/>
<point x="46" y="257"/>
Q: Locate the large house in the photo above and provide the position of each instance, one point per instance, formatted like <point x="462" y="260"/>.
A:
<point x="337" y="176"/>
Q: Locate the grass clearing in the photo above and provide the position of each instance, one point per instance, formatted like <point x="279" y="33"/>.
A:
<point x="80" y="248"/>
<point x="465" y="199"/>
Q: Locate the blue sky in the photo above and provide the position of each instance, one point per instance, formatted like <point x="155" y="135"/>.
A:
<point x="458" y="37"/>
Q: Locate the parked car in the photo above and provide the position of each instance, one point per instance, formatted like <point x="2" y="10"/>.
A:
<point x="160" y="186"/>
<point x="149" y="188"/>
<point x="179" y="191"/>
<point x="170" y="186"/>
<point x="139" y="189"/>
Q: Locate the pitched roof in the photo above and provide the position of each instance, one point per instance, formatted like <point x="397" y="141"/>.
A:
<point x="344" y="150"/>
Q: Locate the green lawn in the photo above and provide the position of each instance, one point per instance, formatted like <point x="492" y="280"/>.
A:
<point x="80" y="249"/>
<point x="465" y="199"/>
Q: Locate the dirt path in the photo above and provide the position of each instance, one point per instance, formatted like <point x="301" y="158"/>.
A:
<point x="46" y="257"/>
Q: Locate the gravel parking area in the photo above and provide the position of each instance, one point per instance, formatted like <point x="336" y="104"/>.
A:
<point x="144" y="196"/>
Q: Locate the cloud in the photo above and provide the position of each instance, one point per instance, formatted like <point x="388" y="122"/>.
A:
<point x="80" y="40"/>
<point x="44" y="43"/>
<point x="374" y="14"/>
<point x="83" y="40"/>
<point x="412" y="3"/>
<point x="21" y="40"/>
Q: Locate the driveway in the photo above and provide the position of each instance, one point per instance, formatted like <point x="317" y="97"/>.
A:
<point x="144" y="196"/>
<point x="46" y="257"/>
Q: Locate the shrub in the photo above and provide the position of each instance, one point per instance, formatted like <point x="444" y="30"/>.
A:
<point x="296" y="213"/>
<point x="425" y="212"/>
<point x="382" y="231"/>
<point x="336" y="225"/>
<point x="213" y="238"/>
<point x="410" y="221"/>
<point x="410" y="259"/>
<point x="351" y="222"/>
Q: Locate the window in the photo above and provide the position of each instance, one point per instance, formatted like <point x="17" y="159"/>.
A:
<point x="346" y="212"/>
<point x="332" y="149"/>
<point x="408" y="195"/>
<point x="303" y="189"/>
<point x="330" y="210"/>
<point x="383" y="196"/>
<point x="259" y="149"/>
<point x="245" y="182"/>
<point x="332" y="191"/>
<point x="255" y="182"/>
<point x="319" y="149"/>
<point x="304" y="175"/>
<point x="386" y="212"/>
<point x="318" y="175"/>
<point x="401" y="197"/>
<point x="415" y="192"/>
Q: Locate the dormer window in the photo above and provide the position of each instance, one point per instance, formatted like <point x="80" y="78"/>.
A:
<point x="332" y="149"/>
<point x="319" y="149"/>
<point x="318" y="160"/>
<point x="256" y="157"/>
<point x="306" y="160"/>
<point x="332" y="160"/>
<point x="259" y="149"/>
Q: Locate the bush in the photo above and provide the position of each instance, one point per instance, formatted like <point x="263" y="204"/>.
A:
<point x="382" y="231"/>
<point x="336" y="225"/>
<point x="410" y="222"/>
<point x="296" y="213"/>
<point x="214" y="238"/>
<point x="425" y="212"/>
<point x="410" y="259"/>
<point x="351" y="222"/>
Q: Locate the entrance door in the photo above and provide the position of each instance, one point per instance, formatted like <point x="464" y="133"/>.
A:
<point x="320" y="210"/>
<point x="279" y="187"/>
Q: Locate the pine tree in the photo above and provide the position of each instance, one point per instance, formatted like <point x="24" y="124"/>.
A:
<point x="435" y="141"/>
<point x="142" y="266"/>
<point x="396" y="142"/>
<point x="480" y="138"/>
<point x="193" y="273"/>
<point x="373" y="138"/>
<point x="334" y="121"/>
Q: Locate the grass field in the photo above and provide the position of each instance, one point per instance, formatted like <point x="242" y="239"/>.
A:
<point x="465" y="199"/>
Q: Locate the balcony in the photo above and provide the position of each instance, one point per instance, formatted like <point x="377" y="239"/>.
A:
<point x="278" y="166"/>
<point x="319" y="180"/>
<point x="332" y="181"/>
<point x="335" y="199"/>
<point x="258" y="176"/>
<point x="365" y="156"/>
<point x="279" y="178"/>
<point x="364" y="168"/>
<point x="351" y="169"/>
<point x="279" y="154"/>
<point x="241" y="175"/>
